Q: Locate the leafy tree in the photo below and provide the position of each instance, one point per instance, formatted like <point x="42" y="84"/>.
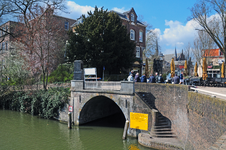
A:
<point x="63" y="73"/>
<point x="12" y="71"/>
<point x="102" y="40"/>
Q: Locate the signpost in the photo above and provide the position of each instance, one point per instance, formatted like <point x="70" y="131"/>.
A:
<point x="139" y="121"/>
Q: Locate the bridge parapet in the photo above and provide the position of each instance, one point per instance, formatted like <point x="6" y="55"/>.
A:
<point x="123" y="87"/>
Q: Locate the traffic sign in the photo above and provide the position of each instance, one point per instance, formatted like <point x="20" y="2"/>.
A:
<point x="70" y="108"/>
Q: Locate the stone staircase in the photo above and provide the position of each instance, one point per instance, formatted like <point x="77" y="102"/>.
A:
<point x="161" y="135"/>
<point x="162" y="127"/>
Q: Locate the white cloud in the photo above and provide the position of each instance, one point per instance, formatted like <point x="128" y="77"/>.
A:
<point x="176" y="35"/>
<point x="121" y="10"/>
<point x="75" y="10"/>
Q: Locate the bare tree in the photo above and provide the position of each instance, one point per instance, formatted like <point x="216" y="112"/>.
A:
<point x="152" y="45"/>
<point x="15" y="8"/>
<point x="215" y="25"/>
<point x="42" y="40"/>
<point x="203" y="42"/>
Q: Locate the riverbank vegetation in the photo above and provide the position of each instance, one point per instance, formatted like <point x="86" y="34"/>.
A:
<point x="45" y="103"/>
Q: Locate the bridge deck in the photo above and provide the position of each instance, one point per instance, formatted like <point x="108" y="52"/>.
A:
<point x="219" y="92"/>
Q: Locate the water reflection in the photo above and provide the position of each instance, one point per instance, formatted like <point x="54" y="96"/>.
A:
<point x="21" y="131"/>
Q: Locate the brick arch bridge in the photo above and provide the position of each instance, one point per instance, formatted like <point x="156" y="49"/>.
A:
<point x="196" y="120"/>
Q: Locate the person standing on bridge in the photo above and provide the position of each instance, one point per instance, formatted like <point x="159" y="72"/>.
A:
<point x="181" y="78"/>
<point x="152" y="79"/>
<point x="156" y="77"/>
<point x="160" y="79"/>
<point x="143" y="78"/>
<point x="137" y="78"/>
<point x="130" y="77"/>
<point x="176" y="79"/>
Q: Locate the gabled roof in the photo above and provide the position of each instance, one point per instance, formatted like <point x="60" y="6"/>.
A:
<point x="124" y="16"/>
<point x="211" y="52"/>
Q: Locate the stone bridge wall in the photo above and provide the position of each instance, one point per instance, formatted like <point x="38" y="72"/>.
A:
<point x="198" y="120"/>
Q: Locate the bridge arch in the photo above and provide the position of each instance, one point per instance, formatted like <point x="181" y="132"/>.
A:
<point x="101" y="107"/>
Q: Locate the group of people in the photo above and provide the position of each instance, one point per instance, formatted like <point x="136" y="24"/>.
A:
<point x="178" y="80"/>
<point x="152" y="79"/>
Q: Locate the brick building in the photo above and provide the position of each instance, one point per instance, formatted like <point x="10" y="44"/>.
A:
<point x="214" y="59"/>
<point x="137" y="31"/>
<point x="11" y="26"/>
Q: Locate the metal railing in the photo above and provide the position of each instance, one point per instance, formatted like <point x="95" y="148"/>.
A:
<point x="103" y="85"/>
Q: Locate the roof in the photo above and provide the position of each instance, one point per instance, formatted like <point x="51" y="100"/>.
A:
<point x="211" y="52"/>
<point x="124" y="16"/>
<point x="168" y="57"/>
<point x="180" y="63"/>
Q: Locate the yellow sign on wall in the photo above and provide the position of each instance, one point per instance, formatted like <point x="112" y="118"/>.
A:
<point x="139" y="121"/>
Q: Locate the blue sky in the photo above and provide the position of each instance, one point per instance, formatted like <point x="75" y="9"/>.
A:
<point x="167" y="17"/>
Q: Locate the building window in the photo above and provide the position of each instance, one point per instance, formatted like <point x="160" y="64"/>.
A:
<point x="3" y="46"/>
<point x="132" y="34"/>
<point x="3" y="31"/>
<point x="138" y="52"/>
<point x="66" y="25"/>
<point x="132" y="17"/>
<point x="140" y="36"/>
<point x="6" y="46"/>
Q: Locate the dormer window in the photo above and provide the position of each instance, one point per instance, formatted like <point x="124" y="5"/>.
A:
<point x="132" y="34"/>
<point x="132" y="17"/>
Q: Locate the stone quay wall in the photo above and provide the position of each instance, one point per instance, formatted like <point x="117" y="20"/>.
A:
<point x="198" y="120"/>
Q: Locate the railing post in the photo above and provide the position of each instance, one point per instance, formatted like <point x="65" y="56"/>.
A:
<point x="69" y="120"/>
<point x="125" y="130"/>
<point x="77" y="84"/>
<point x="127" y="87"/>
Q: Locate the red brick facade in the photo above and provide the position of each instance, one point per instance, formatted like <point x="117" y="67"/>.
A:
<point x="137" y="27"/>
<point x="5" y="39"/>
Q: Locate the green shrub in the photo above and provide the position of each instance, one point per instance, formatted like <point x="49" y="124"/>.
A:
<point x="43" y="103"/>
<point x="63" y="73"/>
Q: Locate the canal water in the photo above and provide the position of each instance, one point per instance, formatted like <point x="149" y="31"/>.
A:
<point x="21" y="131"/>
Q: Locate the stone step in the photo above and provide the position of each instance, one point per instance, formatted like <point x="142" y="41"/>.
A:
<point x="163" y="133"/>
<point x="162" y="124"/>
<point x="162" y="127"/>
<point x="164" y="136"/>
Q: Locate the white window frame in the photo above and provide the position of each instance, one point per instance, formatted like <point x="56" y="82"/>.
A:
<point x="132" y="34"/>
<point x="140" y="36"/>
<point x="132" y="17"/>
<point x="137" y="52"/>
